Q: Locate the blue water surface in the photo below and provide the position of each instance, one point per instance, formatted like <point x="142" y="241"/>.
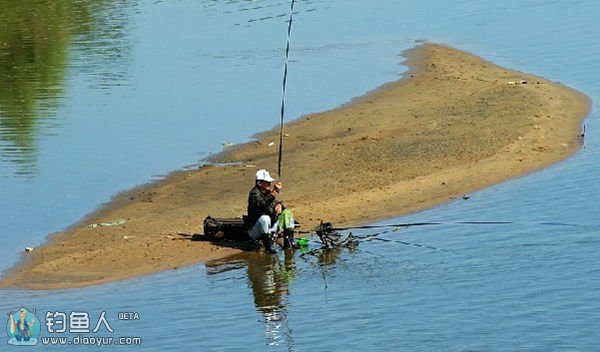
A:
<point x="147" y="87"/>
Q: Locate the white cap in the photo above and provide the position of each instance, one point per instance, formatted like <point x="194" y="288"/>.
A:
<point x="263" y="175"/>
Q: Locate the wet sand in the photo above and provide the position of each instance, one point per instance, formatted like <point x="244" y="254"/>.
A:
<point x="454" y="124"/>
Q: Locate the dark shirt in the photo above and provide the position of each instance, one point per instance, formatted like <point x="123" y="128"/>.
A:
<point x="260" y="204"/>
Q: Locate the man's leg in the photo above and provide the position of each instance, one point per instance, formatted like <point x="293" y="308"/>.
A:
<point x="261" y="230"/>
<point x="286" y="220"/>
<point x="261" y="227"/>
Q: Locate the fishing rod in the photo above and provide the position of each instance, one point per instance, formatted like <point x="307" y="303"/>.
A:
<point x="330" y="236"/>
<point x="285" y="72"/>
<point x="414" y="224"/>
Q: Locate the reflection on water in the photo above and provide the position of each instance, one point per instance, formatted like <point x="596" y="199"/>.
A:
<point x="35" y="43"/>
<point x="270" y="277"/>
<point x="262" y="10"/>
<point x="105" y="45"/>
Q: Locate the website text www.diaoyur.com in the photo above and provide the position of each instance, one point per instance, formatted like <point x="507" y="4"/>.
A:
<point x="81" y="340"/>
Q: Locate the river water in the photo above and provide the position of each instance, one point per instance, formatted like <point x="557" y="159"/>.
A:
<point x="100" y="96"/>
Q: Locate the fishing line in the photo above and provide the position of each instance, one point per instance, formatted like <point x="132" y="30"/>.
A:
<point x="375" y="237"/>
<point x="285" y="72"/>
<point x="414" y="244"/>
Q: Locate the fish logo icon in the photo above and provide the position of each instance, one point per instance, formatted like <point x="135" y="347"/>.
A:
<point x="23" y="328"/>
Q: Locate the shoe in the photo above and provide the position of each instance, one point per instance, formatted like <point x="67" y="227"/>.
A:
<point x="266" y="240"/>
<point x="288" y="240"/>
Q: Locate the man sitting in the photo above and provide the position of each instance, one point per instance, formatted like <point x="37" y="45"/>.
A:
<point x="264" y="210"/>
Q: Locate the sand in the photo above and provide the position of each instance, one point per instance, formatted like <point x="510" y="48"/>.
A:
<point x="455" y="123"/>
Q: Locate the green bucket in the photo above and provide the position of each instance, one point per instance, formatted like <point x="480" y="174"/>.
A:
<point x="303" y="242"/>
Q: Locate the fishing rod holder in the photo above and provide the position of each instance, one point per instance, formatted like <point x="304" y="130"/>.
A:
<point x="328" y="235"/>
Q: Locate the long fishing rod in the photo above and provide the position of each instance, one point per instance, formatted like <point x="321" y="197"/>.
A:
<point x="328" y="227"/>
<point x="413" y="224"/>
<point x="330" y="237"/>
<point x="285" y="71"/>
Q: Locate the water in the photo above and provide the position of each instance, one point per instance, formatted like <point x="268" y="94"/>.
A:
<point x="115" y="94"/>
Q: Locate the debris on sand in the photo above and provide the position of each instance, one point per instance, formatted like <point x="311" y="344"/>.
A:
<point x="108" y="223"/>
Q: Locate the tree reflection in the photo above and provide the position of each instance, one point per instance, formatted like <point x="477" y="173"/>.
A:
<point x="35" y="38"/>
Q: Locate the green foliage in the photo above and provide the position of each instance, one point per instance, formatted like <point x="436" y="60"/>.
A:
<point x="36" y="39"/>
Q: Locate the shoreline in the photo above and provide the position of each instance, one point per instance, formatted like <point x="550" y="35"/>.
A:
<point x="453" y="124"/>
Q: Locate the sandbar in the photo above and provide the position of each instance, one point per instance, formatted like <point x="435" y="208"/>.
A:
<point x="455" y="123"/>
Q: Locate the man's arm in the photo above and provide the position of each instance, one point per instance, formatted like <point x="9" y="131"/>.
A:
<point x="261" y="201"/>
